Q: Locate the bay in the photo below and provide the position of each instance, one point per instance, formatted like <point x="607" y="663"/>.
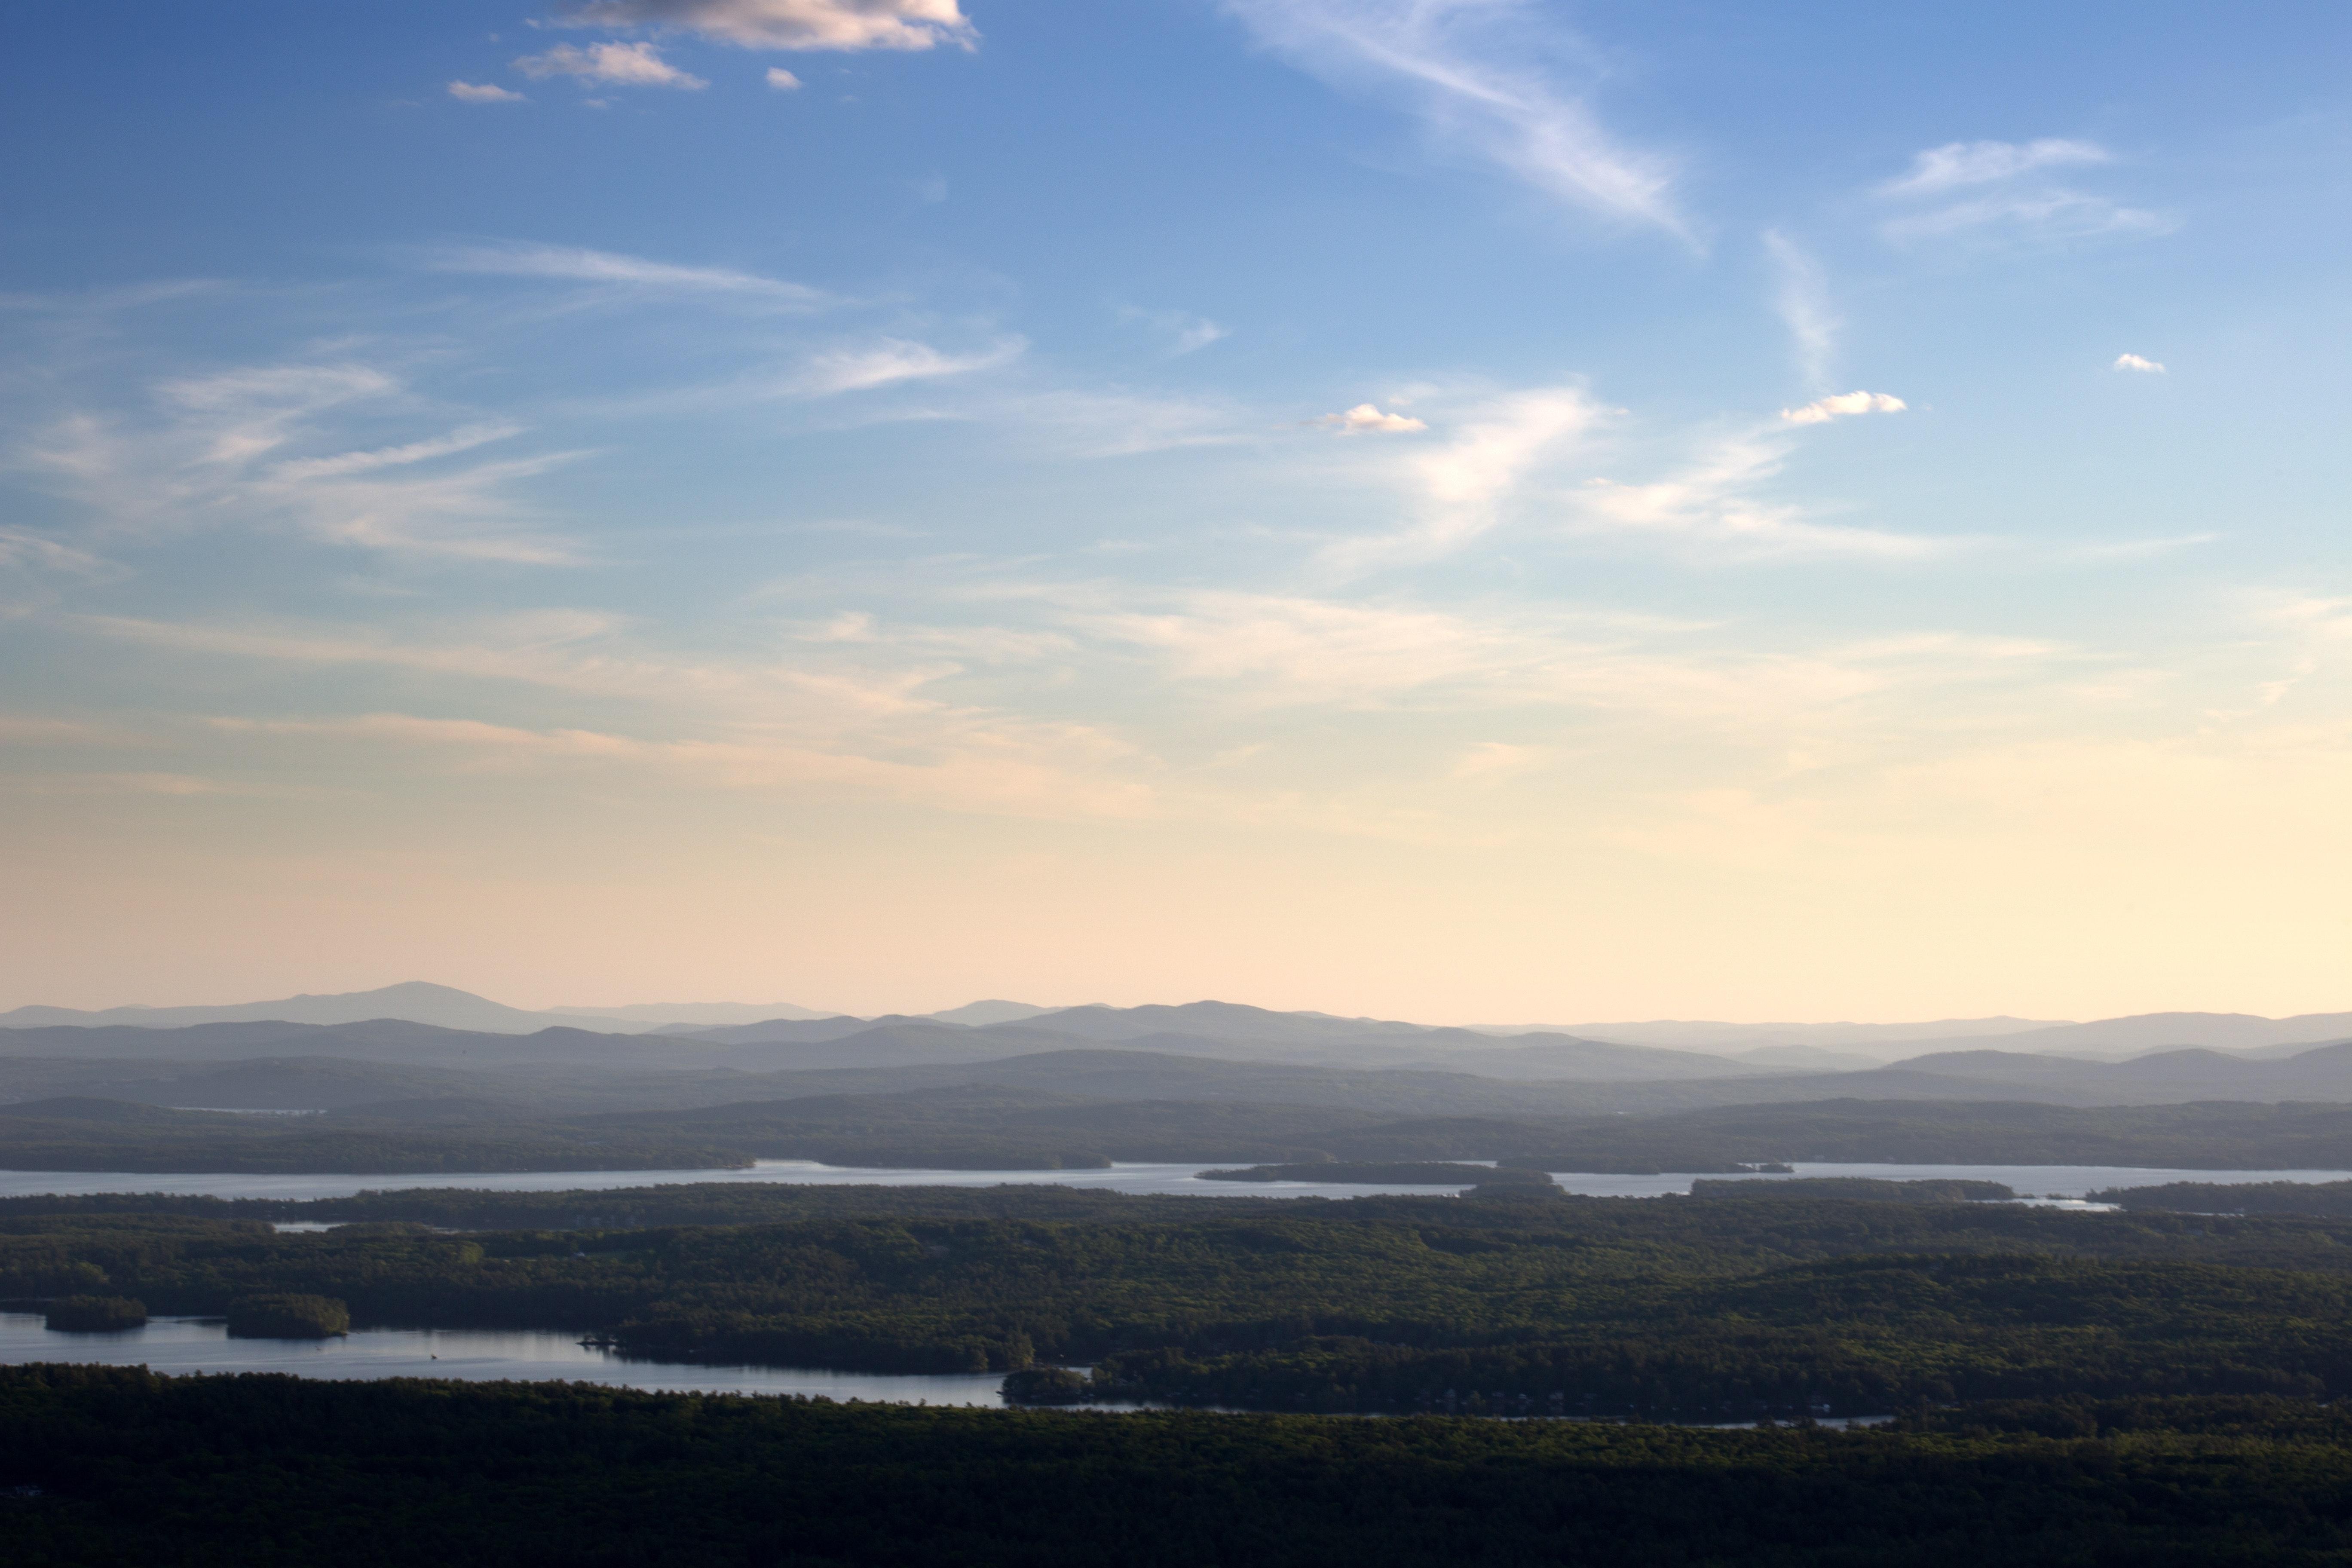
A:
<point x="181" y="1345"/>
<point x="2039" y="1183"/>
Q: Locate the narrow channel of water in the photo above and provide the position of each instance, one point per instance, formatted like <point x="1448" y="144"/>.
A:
<point x="476" y="1355"/>
<point x="2065" y="1183"/>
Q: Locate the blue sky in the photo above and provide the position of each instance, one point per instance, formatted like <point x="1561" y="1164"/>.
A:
<point x="1464" y="509"/>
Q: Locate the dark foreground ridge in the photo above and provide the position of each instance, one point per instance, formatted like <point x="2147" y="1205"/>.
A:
<point x="119" y="1465"/>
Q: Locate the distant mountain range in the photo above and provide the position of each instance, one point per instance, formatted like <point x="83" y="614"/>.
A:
<point x="716" y="1033"/>
<point x="1224" y="1054"/>
<point x="414" y="1001"/>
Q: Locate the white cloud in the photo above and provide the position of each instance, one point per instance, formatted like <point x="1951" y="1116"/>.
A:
<point x="895" y="360"/>
<point x="2010" y="195"/>
<point x="782" y="80"/>
<point x="625" y="65"/>
<point x="205" y="459"/>
<point x="790" y="24"/>
<point x="1717" y="499"/>
<point x="1824" y="410"/>
<point x="346" y="463"/>
<point x="1465" y="66"/>
<point x="1804" y="306"/>
<point x="1368" y="416"/>
<point x="2134" y="361"/>
<point x="483" y="92"/>
<point x="618" y="271"/>
<point x="2054" y="214"/>
<point x="1958" y="163"/>
<point x="1468" y="486"/>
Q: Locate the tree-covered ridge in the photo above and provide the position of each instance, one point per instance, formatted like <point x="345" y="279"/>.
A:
<point x="2249" y="1197"/>
<point x="1693" y="1309"/>
<point x="119" y="1465"/>
<point x="978" y="1127"/>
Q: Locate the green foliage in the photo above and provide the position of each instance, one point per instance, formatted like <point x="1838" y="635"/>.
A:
<point x="1928" y="1192"/>
<point x="110" y="1135"/>
<point x="1047" y="1385"/>
<point x="1683" y="1308"/>
<point x="262" y="1472"/>
<point x="2251" y="1197"/>
<point x="287" y="1317"/>
<point x="2208" y="1135"/>
<point x="1428" y="1173"/>
<point x="96" y="1314"/>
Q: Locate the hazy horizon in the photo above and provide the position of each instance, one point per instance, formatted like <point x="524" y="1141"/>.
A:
<point x="1985" y="1024"/>
<point x="1469" y="508"/>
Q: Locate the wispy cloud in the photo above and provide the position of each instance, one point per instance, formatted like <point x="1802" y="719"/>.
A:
<point x="1719" y="501"/>
<point x="1804" y="301"/>
<point x="616" y="270"/>
<point x="464" y="440"/>
<point x="1960" y="164"/>
<point x="213" y="454"/>
<point x="484" y="92"/>
<point x="2002" y="189"/>
<point x="1466" y="67"/>
<point x="893" y="361"/>
<point x="1183" y="332"/>
<point x="790" y="24"/>
<point x="622" y="64"/>
<point x="782" y="80"/>
<point x="1469" y="484"/>
<point x="2137" y="363"/>
<point x="30" y="565"/>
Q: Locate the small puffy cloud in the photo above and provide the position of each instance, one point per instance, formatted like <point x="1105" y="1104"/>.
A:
<point x="782" y="80"/>
<point x="625" y="65"/>
<point x="1368" y="416"/>
<point x="1958" y="164"/>
<point x="2134" y="361"/>
<point x="790" y="24"/>
<point x="1845" y="403"/>
<point x="483" y="92"/>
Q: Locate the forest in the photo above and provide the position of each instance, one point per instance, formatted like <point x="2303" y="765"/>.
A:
<point x="1703" y="1308"/>
<point x="970" y="1127"/>
<point x="119" y="1465"/>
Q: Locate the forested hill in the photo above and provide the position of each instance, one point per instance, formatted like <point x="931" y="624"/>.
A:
<point x="988" y="1128"/>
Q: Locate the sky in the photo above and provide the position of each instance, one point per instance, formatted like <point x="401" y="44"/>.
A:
<point x="1472" y="511"/>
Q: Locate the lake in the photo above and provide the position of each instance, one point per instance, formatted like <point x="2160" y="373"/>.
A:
<point x="201" y="1344"/>
<point x="2068" y="1182"/>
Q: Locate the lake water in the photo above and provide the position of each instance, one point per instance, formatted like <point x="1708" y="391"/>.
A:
<point x="201" y="1344"/>
<point x="2068" y="1182"/>
<point x="1133" y="1178"/>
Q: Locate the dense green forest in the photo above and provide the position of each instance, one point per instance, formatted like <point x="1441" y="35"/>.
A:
<point x="1690" y="1309"/>
<point x="77" y="1135"/>
<point x="985" y="1128"/>
<point x="117" y="1465"/>
<point x="2250" y="1198"/>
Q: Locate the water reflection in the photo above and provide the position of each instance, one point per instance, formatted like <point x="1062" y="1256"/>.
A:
<point x="201" y="1344"/>
<point x="2068" y="1182"/>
